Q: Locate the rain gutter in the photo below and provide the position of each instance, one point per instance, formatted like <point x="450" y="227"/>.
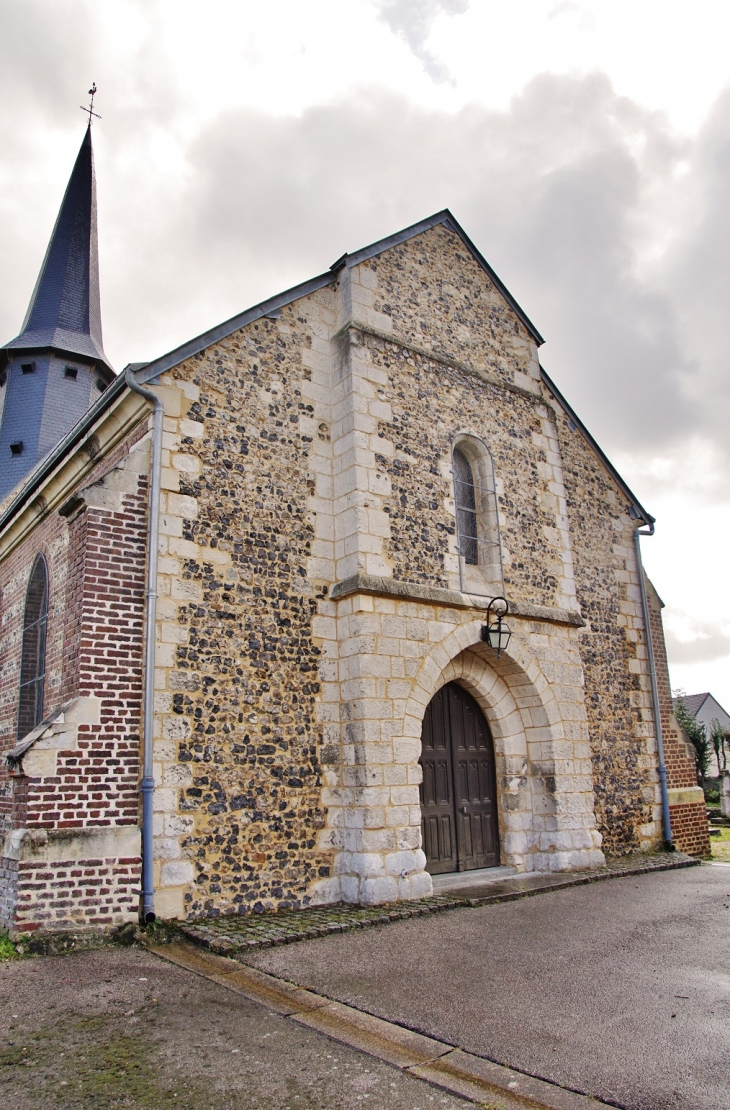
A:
<point x="147" y="785"/>
<point x="668" y="842"/>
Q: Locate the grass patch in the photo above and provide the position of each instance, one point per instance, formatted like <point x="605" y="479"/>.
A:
<point x="78" y="1064"/>
<point x="7" y="948"/>
<point x="720" y="845"/>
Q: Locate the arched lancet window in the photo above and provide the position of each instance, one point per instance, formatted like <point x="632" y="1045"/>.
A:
<point x="477" y="520"/>
<point x="33" y="659"/>
<point x="466" y="509"/>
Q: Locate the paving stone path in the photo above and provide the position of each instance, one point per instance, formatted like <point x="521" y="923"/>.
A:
<point x="234" y="935"/>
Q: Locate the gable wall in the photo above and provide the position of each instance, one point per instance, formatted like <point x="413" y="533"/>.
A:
<point x="282" y="747"/>
<point x="430" y="295"/>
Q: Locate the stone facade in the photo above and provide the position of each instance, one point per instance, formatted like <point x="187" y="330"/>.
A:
<point x="313" y="599"/>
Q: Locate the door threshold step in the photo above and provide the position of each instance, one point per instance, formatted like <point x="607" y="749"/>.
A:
<point x="466" y="880"/>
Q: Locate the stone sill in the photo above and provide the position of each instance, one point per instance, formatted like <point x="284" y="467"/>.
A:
<point x="452" y="599"/>
<point x="686" y="796"/>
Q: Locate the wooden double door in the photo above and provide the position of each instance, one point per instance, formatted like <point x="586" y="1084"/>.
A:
<point x="458" y="792"/>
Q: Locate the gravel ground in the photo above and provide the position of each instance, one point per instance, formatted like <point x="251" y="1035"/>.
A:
<point x="120" y="1028"/>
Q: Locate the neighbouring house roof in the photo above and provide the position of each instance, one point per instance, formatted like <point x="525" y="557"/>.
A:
<point x="704" y="707"/>
<point x="64" y="313"/>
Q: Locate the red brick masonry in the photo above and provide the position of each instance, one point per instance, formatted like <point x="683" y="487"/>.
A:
<point x="69" y="815"/>
<point x="690" y="831"/>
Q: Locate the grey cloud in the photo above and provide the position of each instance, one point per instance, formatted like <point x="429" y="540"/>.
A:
<point x="697" y="268"/>
<point x="559" y="192"/>
<point x="412" y="20"/>
<point x="712" y="643"/>
<point x="552" y="191"/>
<point x="562" y="8"/>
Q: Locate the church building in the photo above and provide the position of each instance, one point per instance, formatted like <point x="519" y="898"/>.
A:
<point x="337" y="598"/>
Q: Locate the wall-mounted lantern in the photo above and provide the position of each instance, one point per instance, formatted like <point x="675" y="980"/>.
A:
<point x="494" y="632"/>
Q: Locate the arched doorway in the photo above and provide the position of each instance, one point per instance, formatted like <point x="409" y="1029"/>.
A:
<point x="458" y="792"/>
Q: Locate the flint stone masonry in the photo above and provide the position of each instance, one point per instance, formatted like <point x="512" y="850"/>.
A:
<point x="312" y="601"/>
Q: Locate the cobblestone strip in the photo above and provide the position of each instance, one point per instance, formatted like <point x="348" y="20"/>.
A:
<point x="236" y="936"/>
<point x="437" y="1063"/>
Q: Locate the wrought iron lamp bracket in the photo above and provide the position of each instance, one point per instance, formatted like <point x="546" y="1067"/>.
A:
<point x="494" y="632"/>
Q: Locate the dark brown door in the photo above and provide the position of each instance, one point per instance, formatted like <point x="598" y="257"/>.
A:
<point x="458" y="793"/>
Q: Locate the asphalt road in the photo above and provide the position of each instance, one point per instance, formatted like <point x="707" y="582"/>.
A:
<point x="122" y="1029"/>
<point x="620" y="989"/>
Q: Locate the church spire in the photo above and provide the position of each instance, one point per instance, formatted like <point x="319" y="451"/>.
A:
<point x="53" y="371"/>
<point x="64" y="314"/>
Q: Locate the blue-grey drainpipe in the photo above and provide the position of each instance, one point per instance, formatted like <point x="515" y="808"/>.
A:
<point x="147" y="786"/>
<point x="668" y="842"/>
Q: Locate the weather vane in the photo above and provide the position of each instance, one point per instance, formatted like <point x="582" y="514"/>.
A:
<point x="90" y="109"/>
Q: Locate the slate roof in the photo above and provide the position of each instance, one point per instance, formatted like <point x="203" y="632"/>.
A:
<point x="64" y="314"/>
<point x="693" y="702"/>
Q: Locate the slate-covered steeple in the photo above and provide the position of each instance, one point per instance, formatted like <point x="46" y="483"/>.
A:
<point x="54" y="369"/>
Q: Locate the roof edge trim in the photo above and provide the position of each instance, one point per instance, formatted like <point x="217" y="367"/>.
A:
<point x="280" y="300"/>
<point x="446" y="218"/>
<point x="571" y="413"/>
<point x="235" y="323"/>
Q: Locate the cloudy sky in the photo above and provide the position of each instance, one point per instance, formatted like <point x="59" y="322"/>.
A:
<point x="583" y="144"/>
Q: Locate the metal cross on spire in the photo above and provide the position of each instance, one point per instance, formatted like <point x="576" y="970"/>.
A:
<point x="90" y="109"/>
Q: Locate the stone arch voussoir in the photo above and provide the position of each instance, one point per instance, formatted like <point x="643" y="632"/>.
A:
<point x="525" y="721"/>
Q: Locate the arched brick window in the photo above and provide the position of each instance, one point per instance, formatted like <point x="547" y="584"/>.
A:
<point x="33" y="659"/>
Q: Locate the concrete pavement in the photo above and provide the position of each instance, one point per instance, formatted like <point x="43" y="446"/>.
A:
<point x="620" y="990"/>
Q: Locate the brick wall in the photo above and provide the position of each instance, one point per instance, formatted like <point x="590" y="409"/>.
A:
<point x="678" y="756"/>
<point x="690" y="830"/>
<point x="87" y="893"/>
<point x="77" y="786"/>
